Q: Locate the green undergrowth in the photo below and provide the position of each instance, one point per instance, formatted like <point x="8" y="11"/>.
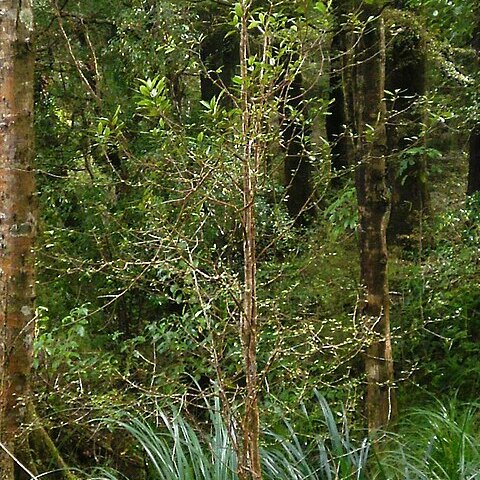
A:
<point x="438" y="442"/>
<point x="436" y="309"/>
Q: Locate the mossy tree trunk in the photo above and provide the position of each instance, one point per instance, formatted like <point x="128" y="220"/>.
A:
<point x="368" y="112"/>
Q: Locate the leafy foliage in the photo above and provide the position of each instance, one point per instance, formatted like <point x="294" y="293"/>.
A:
<point x="139" y="256"/>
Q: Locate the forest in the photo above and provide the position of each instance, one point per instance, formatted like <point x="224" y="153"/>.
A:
<point x="239" y="240"/>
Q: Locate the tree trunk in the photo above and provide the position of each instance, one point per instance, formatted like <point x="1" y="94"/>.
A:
<point x="406" y="67"/>
<point x="298" y="168"/>
<point x="336" y="122"/>
<point x="369" y="112"/>
<point x="249" y="467"/>
<point x="473" y="185"/>
<point x="219" y="55"/>
<point x="44" y="449"/>
<point x="18" y="215"/>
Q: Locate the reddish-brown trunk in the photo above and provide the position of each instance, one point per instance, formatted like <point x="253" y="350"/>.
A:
<point x="249" y="467"/>
<point x="17" y="223"/>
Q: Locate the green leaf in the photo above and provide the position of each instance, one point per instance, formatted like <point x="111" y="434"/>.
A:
<point x="238" y="9"/>
<point x="320" y="7"/>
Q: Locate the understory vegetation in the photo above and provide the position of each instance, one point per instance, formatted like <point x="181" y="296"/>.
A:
<point x="435" y="442"/>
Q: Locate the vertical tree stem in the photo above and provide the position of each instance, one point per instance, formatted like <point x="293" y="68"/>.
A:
<point x="17" y="224"/>
<point x="373" y="204"/>
<point x="249" y="462"/>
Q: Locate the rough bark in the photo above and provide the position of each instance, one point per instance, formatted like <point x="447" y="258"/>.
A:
<point x="369" y="111"/>
<point x="249" y="467"/>
<point x="298" y="168"/>
<point x="406" y="75"/>
<point x="17" y="226"/>
<point x="473" y="185"/>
